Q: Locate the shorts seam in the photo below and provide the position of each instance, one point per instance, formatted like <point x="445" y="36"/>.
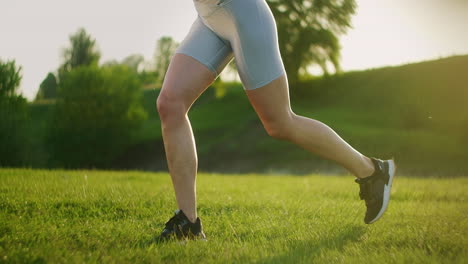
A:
<point x="262" y="21"/>
<point x="243" y="66"/>
<point x="216" y="56"/>
<point x="224" y="3"/>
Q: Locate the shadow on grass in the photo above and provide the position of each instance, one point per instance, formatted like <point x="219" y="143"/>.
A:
<point x="307" y="251"/>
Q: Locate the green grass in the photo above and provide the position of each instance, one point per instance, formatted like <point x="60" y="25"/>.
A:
<point x="106" y="217"/>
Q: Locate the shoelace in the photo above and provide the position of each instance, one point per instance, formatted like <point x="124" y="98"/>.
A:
<point x="173" y="221"/>
<point x="365" y="184"/>
<point x="364" y="190"/>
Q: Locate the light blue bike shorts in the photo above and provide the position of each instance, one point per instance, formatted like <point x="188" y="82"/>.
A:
<point x="243" y="29"/>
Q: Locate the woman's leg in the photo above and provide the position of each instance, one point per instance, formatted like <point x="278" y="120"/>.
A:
<point x="271" y="102"/>
<point x="251" y="30"/>
<point x="185" y="80"/>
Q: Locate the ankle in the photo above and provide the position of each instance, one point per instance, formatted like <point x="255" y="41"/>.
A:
<point x="368" y="169"/>
<point x="191" y="216"/>
<point x="192" y="219"/>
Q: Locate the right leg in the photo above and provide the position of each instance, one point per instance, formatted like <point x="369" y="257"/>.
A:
<point x="198" y="60"/>
<point x="185" y="80"/>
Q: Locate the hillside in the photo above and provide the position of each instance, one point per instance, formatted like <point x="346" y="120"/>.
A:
<point x="416" y="113"/>
<point x="419" y="109"/>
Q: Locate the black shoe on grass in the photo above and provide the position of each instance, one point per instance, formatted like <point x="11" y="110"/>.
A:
<point x="375" y="189"/>
<point x="179" y="227"/>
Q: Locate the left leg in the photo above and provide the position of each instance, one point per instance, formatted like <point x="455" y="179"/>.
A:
<point x="375" y="177"/>
<point x="271" y="102"/>
<point x="260" y="65"/>
<point x="253" y="36"/>
<point x="250" y="28"/>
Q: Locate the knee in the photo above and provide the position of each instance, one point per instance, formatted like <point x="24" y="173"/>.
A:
<point x="279" y="128"/>
<point x="170" y="108"/>
<point x="277" y="132"/>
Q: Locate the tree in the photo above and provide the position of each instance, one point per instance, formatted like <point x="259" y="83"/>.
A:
<point x="148" y="78"/>
<point x="110" y="63"/>
<point x="308" y="32"/>
<point x="10" y="78"/>
<point x="82" y="52"/>
<point x="48" y="88"/>
<point x="96" y="111"/>
<point x="165" y="48"/>
<point x="13" y="116"/>
<point x="134" y="61"/>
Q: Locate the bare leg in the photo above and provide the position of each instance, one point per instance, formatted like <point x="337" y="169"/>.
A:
<point x="185" y="80"/>
<point x="271" y="102"/>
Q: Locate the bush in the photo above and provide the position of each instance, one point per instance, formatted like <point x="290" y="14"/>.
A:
<point x="13" y="116"/>
<point x="96" y="111"/>
<point x="13" y="140"/>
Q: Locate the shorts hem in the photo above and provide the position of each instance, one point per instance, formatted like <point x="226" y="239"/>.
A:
<point x="207" y="64"/>
<point x="263" y="83"/>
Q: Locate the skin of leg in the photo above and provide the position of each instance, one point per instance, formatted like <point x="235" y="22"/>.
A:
<point x="272" y="104"/>
<point x="186" y="79"/>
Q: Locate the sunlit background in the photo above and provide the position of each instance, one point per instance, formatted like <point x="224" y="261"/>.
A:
<point x="386" y="32"/>
<point x="84" y="174"/>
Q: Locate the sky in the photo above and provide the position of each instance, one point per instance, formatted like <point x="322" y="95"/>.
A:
<point x="385" y="32"/>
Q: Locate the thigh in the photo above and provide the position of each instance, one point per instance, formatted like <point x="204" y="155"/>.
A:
<point x="186" y="79"/>
<point x="271" y="101"/>
<point x="207" y="47"/>
<point x="250" y="29"/>
<point x="255" y="43"/>
<point x="195" y="65"/>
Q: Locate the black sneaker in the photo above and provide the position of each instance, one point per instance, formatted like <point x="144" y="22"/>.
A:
<point x="179" y="227"/>
<point x="375" y="189"/>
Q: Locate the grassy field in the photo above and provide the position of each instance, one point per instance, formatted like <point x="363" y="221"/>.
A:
<point x="107" y="217"/>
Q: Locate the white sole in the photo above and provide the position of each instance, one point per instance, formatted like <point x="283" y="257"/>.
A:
<point x="387" y="188"/>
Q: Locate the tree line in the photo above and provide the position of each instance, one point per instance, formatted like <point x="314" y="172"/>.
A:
<point x="83" y="52"/>
<point x="97" y="105"/>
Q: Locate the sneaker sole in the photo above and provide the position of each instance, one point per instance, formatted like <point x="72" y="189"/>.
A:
<point x="387" y="188"/>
